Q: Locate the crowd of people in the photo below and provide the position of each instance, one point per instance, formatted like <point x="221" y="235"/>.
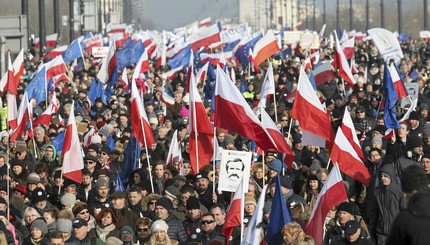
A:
<point x="174" y="205"/>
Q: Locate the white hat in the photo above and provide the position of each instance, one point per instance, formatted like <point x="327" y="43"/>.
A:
<point x="159" y="225"/>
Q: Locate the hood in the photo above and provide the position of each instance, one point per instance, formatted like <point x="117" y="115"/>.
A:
<point x="389" y="169"/>
<point x="53" y="148"/>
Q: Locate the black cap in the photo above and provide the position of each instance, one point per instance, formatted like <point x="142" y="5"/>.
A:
<point x="202" y="175"/>
<point x="78" y="223"/>
<point x="193" y="203"/>
<point x="351" y="227"/>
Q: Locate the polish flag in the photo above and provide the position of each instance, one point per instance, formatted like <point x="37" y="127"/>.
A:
<point x="347" y="154"/>
<point x="166" y="98"/>
<point x="233" y="113"/>
<point x="55" y="52"/>
<point x="315" y="57"/>
<point x="235" y="214"/>
<point x="51" y="41"/>
<point x="88" y="137"/>
<point x="24" y="115"/>
<point x="124" y="79"/>
<point x="348" y="48"/>
<point x="179" y="45"/>
<point x="201" y="131"/>
<point x="11" y="82"/>
<point x="201" y="73"/>
<point x="398" y="84"/>
<point x="342" y="64"/>
<point x="142" y="65"/>
<point x="332" y="193"/>
<point x="174" y="150"/>
<point x="309" y="111"/>
<point x="12" y="111"/>
<point x="55" y="67"/>
<point x="139" y="120"/>
<point x="171" y="74"/>
<point x="95" y="41"/>
<point x="73" y="163"/>
<point x="298" y="25"/>
<point x="307" y="64"/>
<point x="265" y="47"/>
<point x="268" y="86"/>
<point x="45" y="118"/>
<point x="251" y="59"/>
<point x="323" y="73"/>
<point x="278" y="138"/>
<point x="18" y="66"/>
<point x="108" y="66"/>
<point x="217" y="58"/>
<point x="205" y="36"/>
<point x="205" y="22"/>
<point x="391" y="132"/>
<point x="59" y="78"/>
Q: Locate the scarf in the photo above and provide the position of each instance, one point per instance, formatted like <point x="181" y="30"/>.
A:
<point x="102" y="232"/>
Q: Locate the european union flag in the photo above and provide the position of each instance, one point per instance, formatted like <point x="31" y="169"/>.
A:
<point x="181" y="59"/>
<point x="129" y="55"/>
<point x="279" y="216"/>
<point x="132" y="154"/>
<point x="230" y="46"/>
<point x="58" y="143"/>
<point x="391" y="98"/>
<point x="96" y="91"/>
<point x="197" y="60"/>
<point x="242" y="53"/>
<point x="36" y="89"/>
<point x="88" y="35"/>
<point x="73" y="52"/>
<point x="118" y="184"/>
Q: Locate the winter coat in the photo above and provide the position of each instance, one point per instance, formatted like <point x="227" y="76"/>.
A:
<point x="404" y="162"/>
<point x="126" y="217"/>
<point x="386" y="203"/>
<point x="411" y="226"/>
<point x="176" y="229"/>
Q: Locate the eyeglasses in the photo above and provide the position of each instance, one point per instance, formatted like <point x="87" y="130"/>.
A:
<point x="203" y="222"/>
<point x="187" y="167"/>
<point x="84" y="212"/>
<point x="143" y="229"/>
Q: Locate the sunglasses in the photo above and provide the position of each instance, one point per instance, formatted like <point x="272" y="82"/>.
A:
<point x="89" y="162"/>
<point x="84" y="212"/>
<point x="152" y="203"/>
<point x="143" y="229"/>
<point x="360" y="111"/>
<point x="104" y="153"/>
<point x="207" y="222"/>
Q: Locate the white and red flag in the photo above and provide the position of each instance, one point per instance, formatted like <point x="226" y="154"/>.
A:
<point x="265" y="47"/>
<point x="398" y="84"/>
<point x="174" y="150"/>
<point x="24" y="115"/>
<point x="309" y="111"/>
<point x="108" y="66"/>
<point x="46" y="116"/>
<point x="73" y="163"/>
<point x="88" y="137"/>
<point x="142" y="65"/>
<point x="348" y="48"/>
<point x="232" y="112"/>
<point x="139" y="120"/>
<point x="268" y="86"/>
<point x="347" y="153"/>
<point x="206" y="36"/>
<point x="235" y="214"/>
<point x="51" y="41"/>
<point x="323" y="73"/>
<point x="201" y="133"/>
<point x="279" y="139"/>
<point x="55" y="52"/>
<point x="55" y="67"/>
<point x="332" y="193"/>
<point x="18" y="66"/>
<point x="342" y="64"/>
<point x="205" y="22"/>
<point x="94" y="41"/>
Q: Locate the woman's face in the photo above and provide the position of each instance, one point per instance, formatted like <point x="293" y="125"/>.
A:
<point x="36" y="233"/>
<point x="4" y="140"/>
<point x="84" y="214"/>
<point x="289" y="238"/>
<point x="17" y="170"/>
<point x="107" y="219"/>
<point x="160" y="236"/>
<point x="187" y="168"/>
<point x="259" y="173"/>
<point x="30" y="217"/>
<point x="313" y="184"/>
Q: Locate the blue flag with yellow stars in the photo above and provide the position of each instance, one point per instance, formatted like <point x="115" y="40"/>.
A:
<point x="242" y="53"/>
<point x="73" y="52"/>
<point x="36" y="89"/>
<point x="130" y="54"/>
<point x="181" y="59"/>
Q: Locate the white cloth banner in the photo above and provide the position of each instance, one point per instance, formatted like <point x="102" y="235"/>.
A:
<point x="387" y="44"/>
<point x="235" y="165"/>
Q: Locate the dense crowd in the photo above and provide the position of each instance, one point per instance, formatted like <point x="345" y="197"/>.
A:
<point x="177" y="206"/>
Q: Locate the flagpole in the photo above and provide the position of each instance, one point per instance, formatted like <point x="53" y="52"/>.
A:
<point x="8" y="170"/>
<point x="242" y="209"/>
<point x="261" y="108"/>
<point x="214" y="160"/>
<point x="379" y="106"/>
<point x="147" y="154"/>
<point x="195" y="135"/>
<point x="289" y="128"/>
<point x="264" y="175"/>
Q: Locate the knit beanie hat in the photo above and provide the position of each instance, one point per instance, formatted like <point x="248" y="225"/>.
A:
<point x="193" y="203"/>
<point x="68" y="199"/>
<point x="41" y="225"/>
<point x="64" y="225"/>
<point x="346" y="207"/>
<point x="127" y="229"/>
<point x="377" y="138"/>
<point x="276" y="165"/>
<point x="103" y="131"/>
<point x="100" y="183"/>
<point x="33" y="178"/>
<point x="250" y="200"/>
<point x="159" y="225"/>
<point x="78" y="207"/>
<point x="165" y="203"/>
<point x="38" y="195"/>
<point x="172" y="191"/>
<point x="113" y="241"/>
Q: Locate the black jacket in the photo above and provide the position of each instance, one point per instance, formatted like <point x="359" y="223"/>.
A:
<point x="411" y="226"/>
<point x="176" y="229"/>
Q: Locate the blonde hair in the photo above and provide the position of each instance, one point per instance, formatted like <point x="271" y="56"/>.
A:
<point x="166" y="241"/>
<point x="28" y="211"/>
<point x="3" y="239"/>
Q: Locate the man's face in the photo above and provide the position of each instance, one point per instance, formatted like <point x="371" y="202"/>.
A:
<point x="418" y="150"/>
<point x="234" y="170"/>
<point x="103" y="191"/>
<point x="86" y="179"/>
<point x="208" y="224"/>
<point x="221" y="137"/>
<point x="118" y="203"/>
<point x="219" y="216"/>
<point x="71" y="189"/>
<point x="39" y="135"/>
<point x="403" y="130"/>
<point x="161" y="212"/>
<point x="374" y="156"/>
<point x="41" y="204"/>
<point x="344" y="217"/>
<point x="193" y="213"/>
<point x="202" y="184"/>
<point x="49" y="153"/>
<point x="414" y="123"/>
<point x="81" y="233"/>
<point x="159" y="171"/>
<point x="126" y="236"/>
<point x="56" y="241"/>
<point x="134" y="197"/>
<point x="425" y="163"/>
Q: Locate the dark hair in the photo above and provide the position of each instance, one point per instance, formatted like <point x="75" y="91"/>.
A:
<point x="235" y="160"/>
<point x="220" y="206"/>
<point x="53" y="212"/>
<point x="135" y="189"/>
<point x="103" y="213"/>
<point x="187" y="189"/>
<point x="377" y="150"/>
<point x="56" y="235"/>
<point x="208" y="214"/>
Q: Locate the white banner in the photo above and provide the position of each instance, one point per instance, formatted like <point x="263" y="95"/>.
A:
<point x="100" y="52"/>
<point x="235" y="33"/>
<point x="235" y="165"/>
<point x="387" y="44"/>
